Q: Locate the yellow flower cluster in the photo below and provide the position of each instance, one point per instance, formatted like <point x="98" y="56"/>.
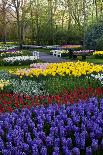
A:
<point x="3" y="84"/>
<point x="11" y="53"/>
<point x="62" y="69"/>
<point x="98" y="53"/>
<point x="71" y="46"/>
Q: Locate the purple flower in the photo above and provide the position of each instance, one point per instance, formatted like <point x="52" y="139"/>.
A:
<point x="56" y="149"/>
<point x="5" y="152"/>
<point x="94" y="145"/>
<point x="43" y="150"/>
<point x="57" y="142"/>
<point x="25" y="147"/>
<point x="76" y="151"/>
<point x="66" y="151"/>
<point x="1" y="145"/>
<point x="55" y="153"/>
<point x="64" y="141"/>
<point x="49" y="141"/>
<point x="69" y="142"/>
<point x="88" y="151"/>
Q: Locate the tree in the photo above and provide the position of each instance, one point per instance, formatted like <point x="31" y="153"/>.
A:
<point x="3" y="10"/>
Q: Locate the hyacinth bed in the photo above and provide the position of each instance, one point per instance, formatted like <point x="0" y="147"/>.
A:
<point x="66" y="129"/>
<point x="7" y="48"/>
<point x="18" y="60"/>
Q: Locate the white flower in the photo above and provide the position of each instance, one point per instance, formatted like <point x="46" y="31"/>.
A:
<point x="20" y="58"/>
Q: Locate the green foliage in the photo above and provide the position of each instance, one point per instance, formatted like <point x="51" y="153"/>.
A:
<point x="94" y="36"/>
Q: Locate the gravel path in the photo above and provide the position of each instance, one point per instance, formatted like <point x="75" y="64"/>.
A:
<point x="50" y="58"/>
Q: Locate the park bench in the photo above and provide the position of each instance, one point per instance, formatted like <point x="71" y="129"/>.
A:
<point x="36" y="54"/>
<point x="56" y="53"/>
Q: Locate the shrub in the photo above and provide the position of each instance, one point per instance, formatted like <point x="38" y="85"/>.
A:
<point x="94" y="36"/>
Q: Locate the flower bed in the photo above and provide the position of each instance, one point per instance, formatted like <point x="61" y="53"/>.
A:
<point x="42" y="66"/>
<point x="98" y="54"/>
<point x="12" y="53"/>
<point x="6" y="48"/>
<point x="67" y="130"/>
<point x="63" y="52"/>
<point x="3" y="84"/>
<point x="98" y="76"/>
<point x="61" y="69"/>
<point x="83" y="52"/>
<point x="71" y="46"/>
<point x="19" y="60"/>
<point x="51" y="47"/>
<point x="11" y="101"/>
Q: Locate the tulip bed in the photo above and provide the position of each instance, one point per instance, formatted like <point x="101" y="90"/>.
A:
<point x="98" y="54"/>
<point x="11" y="53"/>
<point x="76" y="69"/>
<point x="66" y="129"/>
<point x="11" y="101"/>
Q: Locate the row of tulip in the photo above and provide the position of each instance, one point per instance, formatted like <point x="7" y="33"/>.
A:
<point x="12" y="53"/>
<point x="11" y="101"/>
<point x="98" y="54"/>
<point x="75" y="69"/>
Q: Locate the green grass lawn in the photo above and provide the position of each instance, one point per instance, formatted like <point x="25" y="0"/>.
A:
<point x="96" y="61"/>
<point x="6" y="68"/>
<point x="90" y="59"/>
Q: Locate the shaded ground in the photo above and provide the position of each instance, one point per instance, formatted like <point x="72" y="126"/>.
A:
<point x="50" y="58"/>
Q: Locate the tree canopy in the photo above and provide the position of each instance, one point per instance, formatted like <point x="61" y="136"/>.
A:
<point x="48" y="21"/>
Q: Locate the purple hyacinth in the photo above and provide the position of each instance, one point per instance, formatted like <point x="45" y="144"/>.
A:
<point x="76" y="151"/>
<point x="66" y="129"/>
<point x="88" y="151"/>
<point x="43" y="150"/>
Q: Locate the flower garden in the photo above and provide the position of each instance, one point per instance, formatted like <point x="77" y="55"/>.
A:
<point x="50" y="108"/>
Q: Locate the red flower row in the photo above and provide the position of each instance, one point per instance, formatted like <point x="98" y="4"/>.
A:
<point x="9" y="102"/>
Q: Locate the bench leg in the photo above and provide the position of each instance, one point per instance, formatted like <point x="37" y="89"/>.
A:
<point x="83" y="57"/>
<point x="74" y="57"/>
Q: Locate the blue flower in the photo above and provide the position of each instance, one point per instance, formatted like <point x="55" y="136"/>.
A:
<point x="94" y="145"/>
<point x="88" y="151"/>
<point x="76" y="151"/>
<point x="43" y="150"/>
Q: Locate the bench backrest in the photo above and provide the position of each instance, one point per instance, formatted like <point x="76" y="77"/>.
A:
<point x="36" y="53"/>
<point x="57" y="53"/>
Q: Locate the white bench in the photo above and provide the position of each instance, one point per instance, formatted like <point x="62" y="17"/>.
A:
<point x="36" y="53"/>
<point x="56" y="53"/>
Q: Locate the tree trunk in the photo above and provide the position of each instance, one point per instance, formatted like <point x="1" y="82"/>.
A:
<point x="50" y="16"/>
<point x="4" y="22"/>
<point x="85" y="20"/>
